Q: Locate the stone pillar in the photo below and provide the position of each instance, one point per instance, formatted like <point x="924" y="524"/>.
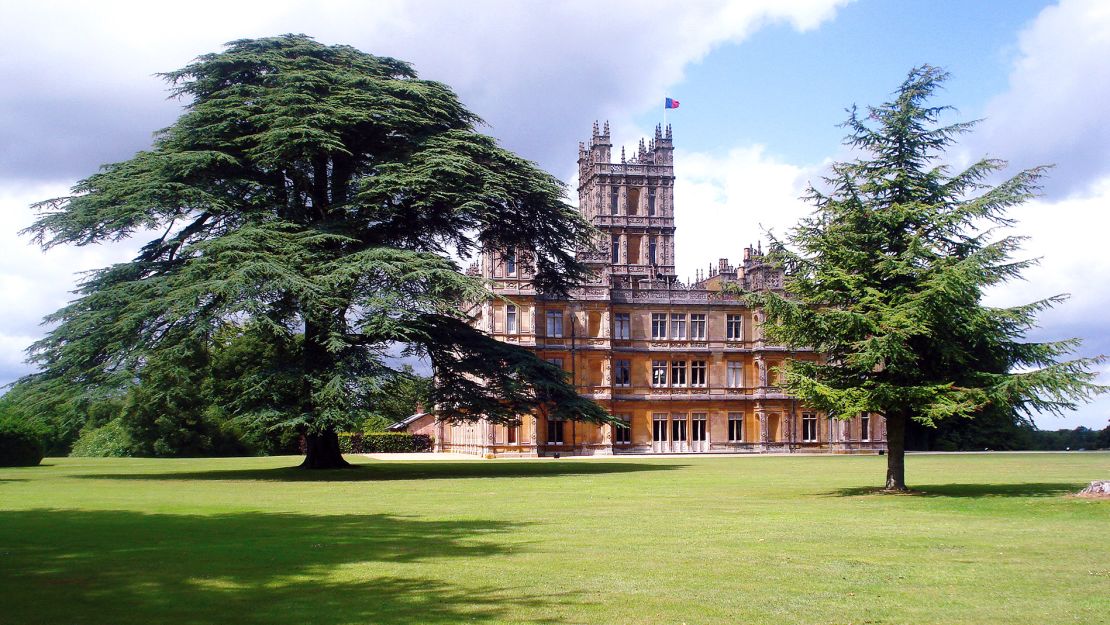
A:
<point x="606" y="440"/>
<point x="488" y="439"/>
<point x="440" y="431"/>
<point x="761" y="365"/>
<point x="533" y="434"/>
<point x="761" y="414"/>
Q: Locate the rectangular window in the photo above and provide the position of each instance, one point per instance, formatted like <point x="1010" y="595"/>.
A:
<point x="510" y="319"/>
<point x="614" y="198"/>
<point x="555" y="323"/>
<point x="651" y="201"/>
<point x="622" y="432"/>
<point x="658" y="325"/>
<point x="554" y="432"/>
<point x="678" y="373"/>
<point x="616" y="249"/>
<point x="735" y="374"/>
<point x="678" y="427"/>
<point x="697" y="327"/>
<point x="736" y="426"/>
<point x="809" y="427"/>
<point x="698" y="373"/>
<point x="659" y="373"/>
<point x="697" y="427"/>
<point x="622" y="372"/>
<point x="622" y="326"/>
<point x="865" y="427"/>
<point x="510" y="264"/>
<point x="678" y="326"/>
<point x="651" y="251"/>
<point x="510" y="434"/>
<point x="734" y="327"/>
<point x="659" y="427"/>
<point x="558" y="362"/>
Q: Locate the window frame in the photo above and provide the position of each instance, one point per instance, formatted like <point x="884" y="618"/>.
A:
<point x="699" y="367"/>
<point x="549" y="316"/>
<point x="659" y="326"/>
<point x="679" y="376"/>
<point x="809" y="422"/>
<point x="734" y="374"/>
<point x="622" y="326"/>
<point x="734" y="327"/>
<point x="659" y="373"/>
<point x="698" y="325"/>
<point x="678" y="326"/>
<point x="625" y="365"/>
<point x="511" y="319"/>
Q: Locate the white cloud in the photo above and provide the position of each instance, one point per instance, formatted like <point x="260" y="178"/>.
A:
<point x="724" y="203"/>
<point x="1054" y="111"/>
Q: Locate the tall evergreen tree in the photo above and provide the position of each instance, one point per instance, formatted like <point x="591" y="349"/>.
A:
<point x="886" y="279"/>
<point x="322" y="191"/>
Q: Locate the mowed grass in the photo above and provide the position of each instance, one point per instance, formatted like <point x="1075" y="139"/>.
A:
<point x="993" y="538"/>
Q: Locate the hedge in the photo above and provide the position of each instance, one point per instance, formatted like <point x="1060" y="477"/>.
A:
<point x="383" y="442"/>
<point x="21" y="445"/>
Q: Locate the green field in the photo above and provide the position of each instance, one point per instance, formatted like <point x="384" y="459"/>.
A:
<point x="992" y="538"/>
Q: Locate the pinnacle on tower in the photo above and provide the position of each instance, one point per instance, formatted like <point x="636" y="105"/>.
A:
<point x="595" y="129"/>
<point x="658" y="131"/>
<point x="622" y="154"/>
<point x="668" y="131"/>
<point x="606" y="128"/>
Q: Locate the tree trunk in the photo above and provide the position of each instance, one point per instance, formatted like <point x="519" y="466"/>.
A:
<point x="896" y="452"/>
<point x="322" y="452"/>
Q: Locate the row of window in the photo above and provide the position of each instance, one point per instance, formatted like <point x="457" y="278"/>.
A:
<point x="634" y="254"/>
<point x="632" y="206"/>
<point x="676" y="373"/>
<point x="622" y="432"/>
<point x="682" y="326"/>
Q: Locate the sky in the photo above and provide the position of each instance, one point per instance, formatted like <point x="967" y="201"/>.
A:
<point x="763" y="85"/>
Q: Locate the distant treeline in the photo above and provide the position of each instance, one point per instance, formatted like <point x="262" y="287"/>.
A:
<point x="1001" y="434"/>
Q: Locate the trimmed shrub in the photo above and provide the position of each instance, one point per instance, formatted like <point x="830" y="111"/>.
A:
<point x="383" y="442"/>
<point x="21" y="445"/>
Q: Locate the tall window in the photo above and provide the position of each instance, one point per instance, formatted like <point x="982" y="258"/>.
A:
<point x="659" y="373"/>
<point x="555" y="323"/>
<point x="697" y="427"/>
<point x="736" y="426"/>
<point x="734" y="327"/>
<point x="616" y="249"/>
<point x="735" y="374"/>
<point x="651" y="201"/>
<point x="622" y="326"/>
<point x="678" y="326"/>
<point x="658" y="325"/>
<point x="622" y="431"/>
<point x="614" y="198"/>
<point x="659" y="427"/>
<point x="510" y="434"/>
<point x="510" y="319"/>
<point x="678" y="427"/>
<point x="678" y="373"/>
<point x="558" y="362"/>
<point x="554" y="432"/>
<point x="651" y="251"/>
<point x="697" y="373"/>
<point x="865" y="427"/>
<point x="510" y="264"/>
<point x="622" y="372"/>
<point x="809" y="427"/>
<point x="697" y="327"/>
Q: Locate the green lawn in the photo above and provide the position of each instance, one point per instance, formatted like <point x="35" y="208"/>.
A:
<point x="992" y="538"/>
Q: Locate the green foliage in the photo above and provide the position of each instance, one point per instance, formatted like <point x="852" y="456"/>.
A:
<point x="110" y="440"/>
<point x="21" y="443"/>
<point x="319" y="194"/>
<point x="383" y="442"/>
<point x="886" y="279"/>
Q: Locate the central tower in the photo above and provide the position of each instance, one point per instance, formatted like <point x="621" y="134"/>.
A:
<point x="632" y="203"/>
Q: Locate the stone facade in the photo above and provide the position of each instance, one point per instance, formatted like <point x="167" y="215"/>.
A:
<point x="684" y="366"/>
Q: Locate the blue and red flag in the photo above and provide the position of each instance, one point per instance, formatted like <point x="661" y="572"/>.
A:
<point x="671" y="103"/>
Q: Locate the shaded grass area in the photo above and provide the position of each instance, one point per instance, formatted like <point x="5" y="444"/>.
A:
<point x="984" y="539"/>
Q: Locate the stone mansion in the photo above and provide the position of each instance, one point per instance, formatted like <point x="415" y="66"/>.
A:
<point x="683" y="367"/>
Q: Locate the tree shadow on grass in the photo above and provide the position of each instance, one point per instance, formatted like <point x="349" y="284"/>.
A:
<point x="65" y="566"/>
<point x="388" y="471"/>
<point x="1028" y="489"/>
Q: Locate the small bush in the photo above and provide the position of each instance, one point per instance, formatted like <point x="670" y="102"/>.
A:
<point x="21" y="445"/>
<point x="110" y="440"/>
<point x="383" y="442"/>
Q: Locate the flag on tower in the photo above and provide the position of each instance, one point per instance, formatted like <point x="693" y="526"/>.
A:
<point x="671" y="103"/>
